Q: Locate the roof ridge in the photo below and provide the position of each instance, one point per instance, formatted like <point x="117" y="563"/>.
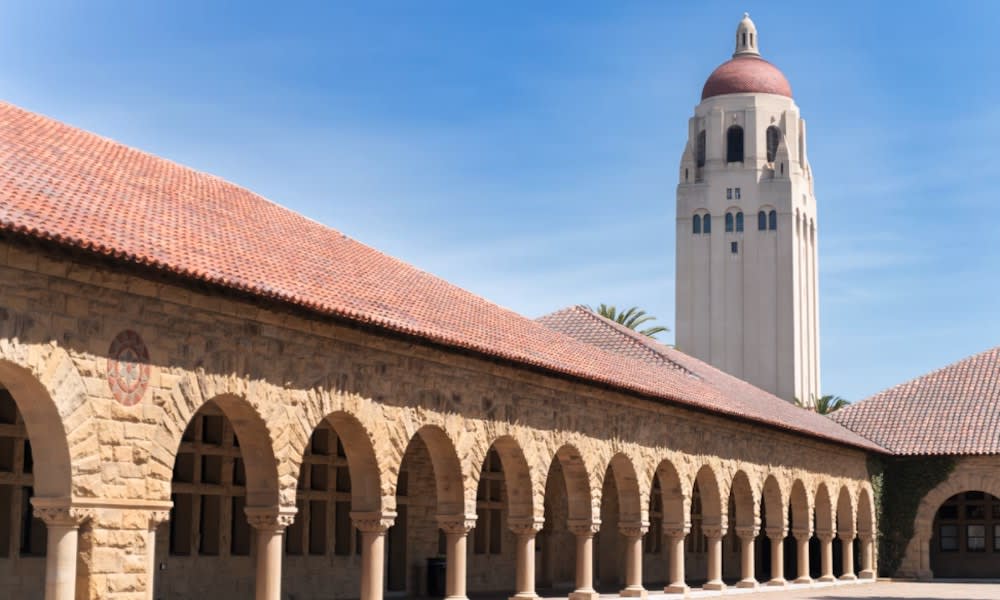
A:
<point x="634" y="337"/>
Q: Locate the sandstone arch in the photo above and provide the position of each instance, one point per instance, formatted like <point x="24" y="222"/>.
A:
<point x="801" y="512"/>
<point x="627" y="484"/>
<point x="448" y="480"/>
<point x="774" y="504"/>
<point x="845" y="513"/>
<point x="866" y="513"/>
<point x="745" y="503"/>
<point x="824" y="510"/>
<point x="362" y="463"/>
<point x="674" y="497"/>
<point x="577" y="479"/>
<point x="712" y="510"/>
<point x="517" y="477"/>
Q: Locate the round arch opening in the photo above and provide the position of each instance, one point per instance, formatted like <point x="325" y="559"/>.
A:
<point x="965" y="540"/>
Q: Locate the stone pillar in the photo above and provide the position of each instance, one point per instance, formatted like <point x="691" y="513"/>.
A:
<point x="584" y="530"/>
<point x="777" y="537"/>
<point x="802" y="551"/>
<point x="63" y="526"/>
<point x="270" y="524"/>
<point x="373" y="526"/>
<point x="675" y="542"/>
<point x="826" y="555"/>
<point x="633" y="533"/>
<point x="525" y="528"/>
<point x="156" y="518"/>
<point x="456" y="531"/>
<point x="747" y="535"/>
<point x="867" y="556"/>
<point x="847" y="543"/>
<point x="714" y="534"/>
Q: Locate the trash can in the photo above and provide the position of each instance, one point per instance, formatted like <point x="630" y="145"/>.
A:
<point x="436" y="572"/>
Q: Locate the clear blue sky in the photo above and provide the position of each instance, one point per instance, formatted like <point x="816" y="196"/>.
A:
<point x="528" y="151"/>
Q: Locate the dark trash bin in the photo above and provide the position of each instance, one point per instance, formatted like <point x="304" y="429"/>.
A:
<point x="436" y="573"/>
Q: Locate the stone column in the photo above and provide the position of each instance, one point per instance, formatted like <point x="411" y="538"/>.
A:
<point x="747" y="535"/>
<point x="867" y="558"/>
<point x="675" y="535"/>
<point x="156" y="518"/>
<point x="270" y="524"/>
<point x="584" y="530"/>
<point x="777" y="537"/>
<point x="63" y="526"/>
<point x="373" y="526"/>
<point x="633" y="533"/>
<point x="802" y="551"/>
<point x="847" y="556"/>
<point x="525" y="529"/>
<point x="714" y="534"/>
<point x="456" y="531"/>
<point x="826" y="555"/>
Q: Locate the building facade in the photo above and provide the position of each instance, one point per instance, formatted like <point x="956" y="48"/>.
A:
<point x="747" y="292"/>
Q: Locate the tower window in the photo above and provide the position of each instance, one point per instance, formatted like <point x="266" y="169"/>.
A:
<point x="739" y="222"/>
<point x="744" y="38"/>
<point x="772" y="220"/>
<point x="736" y="193"/>
<point x="773" y="139"/>
<point x="700" y="150"/>
<point x="730" y="223"/>
<point x="761" y="221"/>
<point x="706" y="224"/>
<point x="729" y="193"/>
<point x="734" y="144"/>
<point x="734" y="247"/>
<point x="696" y="224"/>
<point x="685" y="175"/>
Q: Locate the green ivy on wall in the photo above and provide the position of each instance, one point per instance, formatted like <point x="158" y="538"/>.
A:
<point x="899" y="484"/>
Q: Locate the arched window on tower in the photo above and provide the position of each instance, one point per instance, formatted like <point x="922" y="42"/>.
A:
<point x="734" y="144"/>
<point x="700" y="150"/>
<point x="739" y="222"/>
<point x="730" y="222"/>
<point x="706" y="224"/>
<point x="696" y="224"/>
<point x="772" y="220"/>
<point x="761" y="221"/>
<point x="773" y="139"/>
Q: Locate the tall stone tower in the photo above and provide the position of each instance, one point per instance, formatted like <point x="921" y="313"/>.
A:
<point x="746" y="229"/>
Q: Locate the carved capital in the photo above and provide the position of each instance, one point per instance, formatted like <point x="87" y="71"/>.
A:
<point x="457" y="524"/>
<point x="157" y="518"/>
<point x="676" y="530"/>
<point x="847" y="536"/>
<point x="634" y="530"/>
<point x="825" y="536"/>
<point x="801" y="535"/>
<point x="373" y="522"/>
<point x="270" y="518"/>
<point x="64" y="516"/>
<point x="525" y="525"/>
<point x="713" y="532"/>
<point x="776" y="533"/>
<point x="746" y="532"/>
<point x="584" y="527"/>
<point x="866" y="536"/>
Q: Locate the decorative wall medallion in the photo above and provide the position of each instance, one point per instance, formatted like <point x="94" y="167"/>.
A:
<point x="128" y="368"/>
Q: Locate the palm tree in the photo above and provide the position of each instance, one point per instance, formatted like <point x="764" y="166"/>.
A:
<point x="827" y="404"/>
<point x="631" y="318"/>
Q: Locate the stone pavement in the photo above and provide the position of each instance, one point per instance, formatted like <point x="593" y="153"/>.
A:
<point x="882" y="590"/>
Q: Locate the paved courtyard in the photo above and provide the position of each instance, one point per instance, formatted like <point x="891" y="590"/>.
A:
<point x="889" y="591"/>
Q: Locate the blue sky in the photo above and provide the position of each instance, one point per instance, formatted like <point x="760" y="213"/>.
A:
<point x="528" y="151"/>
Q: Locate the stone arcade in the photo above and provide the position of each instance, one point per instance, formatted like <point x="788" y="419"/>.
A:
<point x="203" y="394"/>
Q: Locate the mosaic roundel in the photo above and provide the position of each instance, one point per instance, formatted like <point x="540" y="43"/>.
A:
<point x="128" y="368"/>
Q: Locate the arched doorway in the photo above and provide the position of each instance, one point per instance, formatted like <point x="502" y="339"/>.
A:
<point x="965" y="539"/>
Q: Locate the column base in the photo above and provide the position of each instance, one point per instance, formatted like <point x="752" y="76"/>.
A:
<point x="867" y="574"/>
<point x="747" y="584"/>
<point x="848" y="577"/>
<point x="677" y="589"/>
<point x="715" y="586"/>
<point x="524" y="596"/>
<point x="805" y="579"/>
<point x="826" y="579"/>
<point x="456" y="598"/>
<point x="634" y="592"/>
<point x="780" y="582"/>
<point x="584" y="595"/>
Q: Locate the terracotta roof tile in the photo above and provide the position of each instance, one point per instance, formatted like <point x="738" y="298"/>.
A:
<point x="954" y="410"/>
<point x="79" y="190"/>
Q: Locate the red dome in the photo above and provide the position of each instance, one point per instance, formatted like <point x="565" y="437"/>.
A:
<point x="746" y="75"/>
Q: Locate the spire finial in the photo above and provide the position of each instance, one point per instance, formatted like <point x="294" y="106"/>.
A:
<point x="746" y="38"/>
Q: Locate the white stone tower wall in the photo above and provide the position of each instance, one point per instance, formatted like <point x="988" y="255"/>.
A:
<point x="754" y="313"/>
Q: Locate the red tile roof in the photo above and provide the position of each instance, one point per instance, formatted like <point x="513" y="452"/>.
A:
<point x="753" y="403"/>
<point x="78" y="190"/>
<point x="954" y="410"/>
<point x="746" y="75"/>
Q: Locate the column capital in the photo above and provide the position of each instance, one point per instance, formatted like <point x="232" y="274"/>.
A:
<point x="847" y="536"/>
<point x="825" y="536"/>
<point x="584" y="527"/>
<point x="460" y="524"/>
<point x="373" y="521"/>
<point x="634" y="529"/>
<point x="713" y="531"/>
<point x="157" y="518"/>
<point x="866" y="536"/>
<point x="525" y="525"/>
<point x="801" y="534"/>
<point x="270" y="518"/>
<point x="676" y="530"/>
<point x="58" y="512"/>
<point x="776" y="533"/>
<point x="745" y="532"/>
